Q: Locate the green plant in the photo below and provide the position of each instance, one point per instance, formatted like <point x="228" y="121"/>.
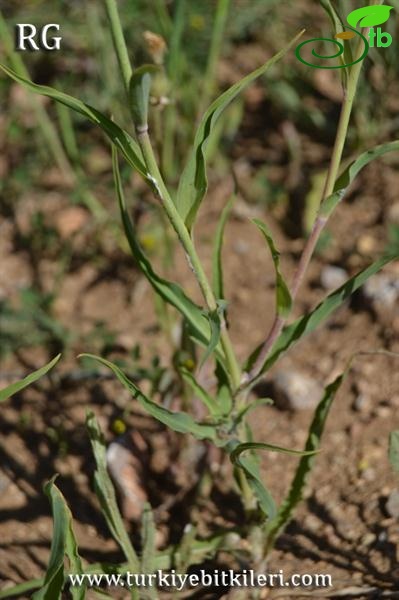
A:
<point x="18" y="386"/>
<point x="229" y="402"/>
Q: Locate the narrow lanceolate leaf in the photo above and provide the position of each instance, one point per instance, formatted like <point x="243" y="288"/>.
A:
<point x="308" y="323"/>
<point x="283" y="296"/>
<point x="106" y="494"/>
<point x="394" y="450"/>
<point x="335" y="18"/>
<point x="200" y="392"/>
<point x="12" y="389"/>
<point x="339" y="26"/>
<point x="217" y="267"/>
<point x="312" y="446"/>
<point x="215" y="318"/>
<point x="139" y="92"/>
<point x="193" y="183"/>
<point x="251" y="469"/>
<point x="21" y="590"/>
<point x="181" y="422"/>
<point x="120" y="138"/>
<point x="169" y="291"/>
<point x="63" y="544"/>
<point x="148" y="538"/>
<point x="148" y="559"/>
<point x="351" y="171"/>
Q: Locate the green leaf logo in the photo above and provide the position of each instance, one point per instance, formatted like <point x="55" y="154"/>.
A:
<point x="369" y="16"/>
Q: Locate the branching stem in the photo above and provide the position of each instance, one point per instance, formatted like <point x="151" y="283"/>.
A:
<point x="318" y="226"/>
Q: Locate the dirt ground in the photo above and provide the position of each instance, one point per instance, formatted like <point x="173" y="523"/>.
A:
<point x="343" y="527"/>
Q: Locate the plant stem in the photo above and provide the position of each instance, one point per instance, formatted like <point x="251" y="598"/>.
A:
<point x="188" y="245"/>
<point x="222" y="10"/>
<point x="119" y="42"/>
<point x="158" y="183"/>
<point x="319" y="224"/>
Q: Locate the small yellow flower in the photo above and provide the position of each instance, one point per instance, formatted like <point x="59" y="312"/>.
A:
<point x="118" y="427"/>
<point x="147" y="241"/>
<point x="197" y="22"/>
<point x="189" y="364"/>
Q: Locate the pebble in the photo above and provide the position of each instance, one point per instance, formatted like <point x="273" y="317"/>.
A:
<point x="296" y="391"/>
<point x="368" y="539"/>
<point x="362" y="403"/>
<point x="333" y="277"/>
<point x="366" y="245"/>
<point x="392" y="505"/>
<point x="4" y="482"/>
<point x="382" y="291"/>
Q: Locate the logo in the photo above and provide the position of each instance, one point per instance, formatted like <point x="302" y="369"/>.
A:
<point x="368" y="16"/>
<point x="28" y="37"/>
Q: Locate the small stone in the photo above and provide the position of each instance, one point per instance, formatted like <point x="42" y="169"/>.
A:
<point x="295" y="391"/>
<point x="384" y="412"/>
<point x="312" y="523"/>
<point x="333" y="277"/>
<point x="366" y="245"/>
<point x="362" y="403"/>
<point x="382" y="291"/>
<point x="368" y="539"/>
<point x="392" y="505"/>
<point x="4" y="482"/>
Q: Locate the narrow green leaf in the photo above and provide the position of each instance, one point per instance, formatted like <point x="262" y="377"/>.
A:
<point x="148" y="559"/>
<point x="169" y="291"/>
<point x="308" y="323"/>
<point x="148" y="539"/>
<point x="20" y="590"/>
<point x="177" y="421"/>
<point x="200" y="392"/>
<point x="251" y="468"/>
<point x="63" y="544"/>
<point x="250" y="407"/>
<point x="240" y="448"/>
<point x="120" y="138"/>
<point x="215" y="318"/>
<point x="139" y="91"/>
<point x="184" y="552"/>
<point x="294" y="496"/>
<point x="369" y="16"/>
<point x="339" y="26"/>
<point x="351" y="171"/>
<point x="12" y="389"/>
<point x="193" y="183"/>
<point x="335" y="18"/>
<point x="217" y="266"/>
<point x="283" y="296"/>
<point x="106" y="494"/>
<point x="394" y="450"/>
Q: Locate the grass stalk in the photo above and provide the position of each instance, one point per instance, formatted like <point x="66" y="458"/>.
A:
<point x="119" y="42"/>
<point x="320" y="222"/>
<point x="189" y="248"/>
<point x="219" y="26"/>
<point x="166" y="200"/>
